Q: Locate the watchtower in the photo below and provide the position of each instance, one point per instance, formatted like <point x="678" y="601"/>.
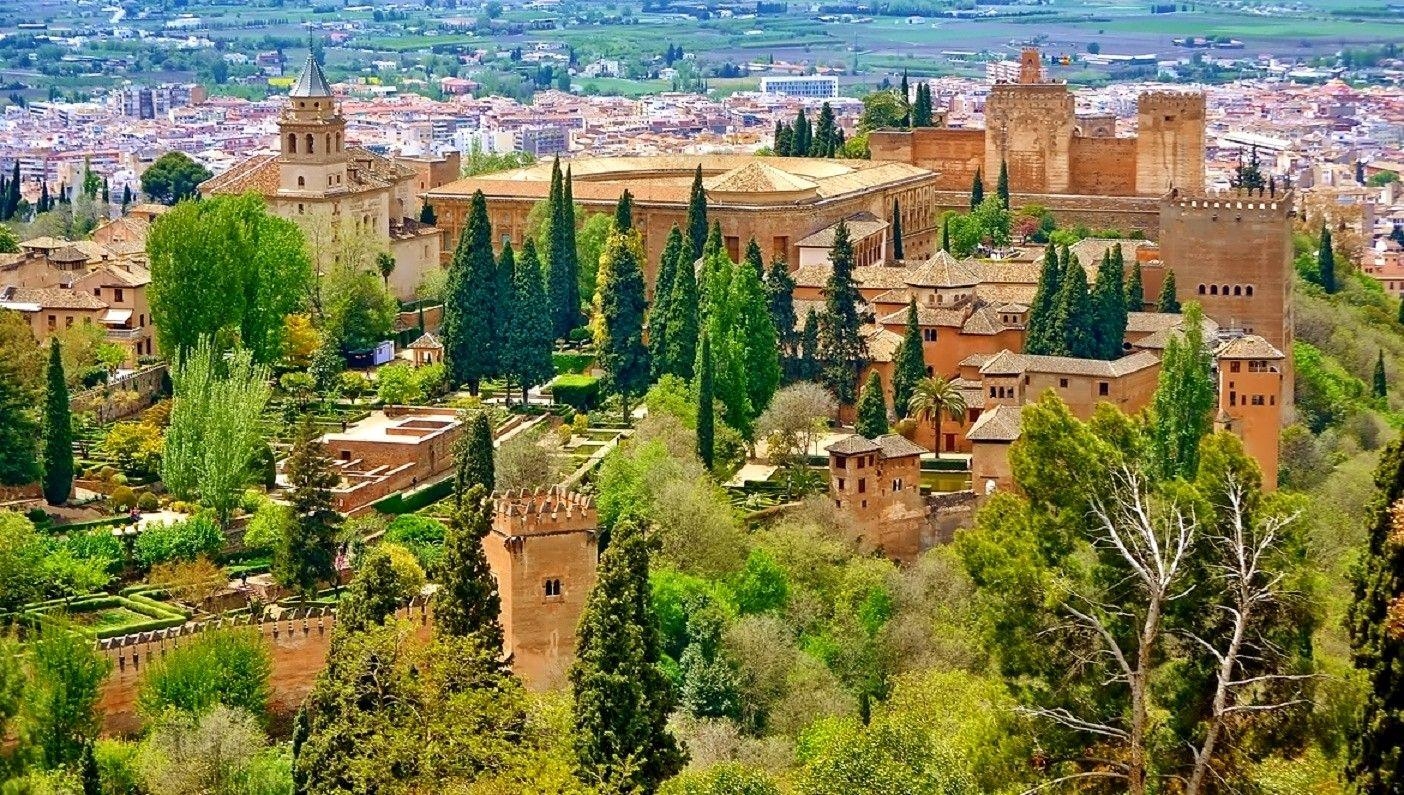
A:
<point x="543" y="553"/>
<point x="1169" y="142"/>
<point x="1030" y="67"/>
<point x="1250" y="398"/>
<point x="311" y="137"/>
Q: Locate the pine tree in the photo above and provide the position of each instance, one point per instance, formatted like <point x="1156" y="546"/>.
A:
<point x="658" y="311"/>
<point x="780" y="301"/>
<point x="842" y="350"/>
<point x="1169" y="300"/>
<point x="1040" y="333"/>
<point x="305" y="556"/>
<point x="1002" y="186"/>
<point x="1326" y="262"/>
<point x="1109" y="309"/>
<point x="909" y="365"/>
<point x="1380" y="384"/>
<point x="697" y="216"/>
<point x="467" y="603"/>
<point x="622" y="696"/>
<point x="19" y="432"/>
<point x="977" y="191"/>
<point x="373" y="596"/>
<point x="946" y="234"/>
<point x="529" y="336"/>
<point x="683" y="322"/>
<point x="897" y="252"/>
<point x="1375" y="766"/>
<point x="619" y="312"/>
<point x="471" y="303"/>
<point x="58" y="432"/>
<point x="872" y="408"/>
<point x="706" y="408"/>
<point x="1135" y="290"/>
<point x="624" y="212"/>
<point x="473" y="464"/>
<point x="825" y="133"/>
<point x="1071" y="334"/>
<point x="759" y="340"/>
<point x="809" y="368"/>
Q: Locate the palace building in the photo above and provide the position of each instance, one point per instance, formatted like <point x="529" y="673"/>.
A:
<point x="318" y="177"/>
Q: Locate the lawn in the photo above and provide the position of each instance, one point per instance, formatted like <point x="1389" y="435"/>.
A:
<point x="108" y="618"/>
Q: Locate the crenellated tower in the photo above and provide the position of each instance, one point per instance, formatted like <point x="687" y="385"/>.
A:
<point x="1169" y="142"/>
<point x="1029" y="126"/>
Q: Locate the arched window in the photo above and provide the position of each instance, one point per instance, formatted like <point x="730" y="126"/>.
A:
<point x="1248" y="290"/>
<point x="1226" y="289"/>
<point x="292" y="143"/>
<point x="310" y="148"/>
<point x="1201" y="289"/>
<point x="302" y="182"/>
<point x="329" y="144"/>
<point x="1213" y="289"/>
<point x="338" y="142"/>
<point x="1237" y="289"/>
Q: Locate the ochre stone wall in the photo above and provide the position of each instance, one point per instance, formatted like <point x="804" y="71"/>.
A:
<point x="1103" y="166"/>
<point x="955" y="155"/>
<point x="1029" y="127"/>
<point x="1126" y="213"/>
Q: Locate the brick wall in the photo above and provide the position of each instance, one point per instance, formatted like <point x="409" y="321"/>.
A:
<point x="143" y="386"/>
<point x="1103" y="166"/>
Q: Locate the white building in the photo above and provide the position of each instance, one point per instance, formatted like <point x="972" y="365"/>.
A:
<point x="810" y="86"/>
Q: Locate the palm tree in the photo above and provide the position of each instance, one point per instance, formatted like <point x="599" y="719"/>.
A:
<point x="385" y="263"/>
<point x="934" y="399"/>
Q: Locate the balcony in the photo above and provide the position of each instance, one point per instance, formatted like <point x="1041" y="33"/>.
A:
<point x="118" y="333"/>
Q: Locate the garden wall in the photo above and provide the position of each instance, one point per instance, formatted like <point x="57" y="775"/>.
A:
<point x="297" y="643"/>
<point x="122" y="397"/>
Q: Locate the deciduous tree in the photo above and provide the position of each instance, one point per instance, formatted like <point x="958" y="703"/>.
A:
<point x="1181" y="411"/>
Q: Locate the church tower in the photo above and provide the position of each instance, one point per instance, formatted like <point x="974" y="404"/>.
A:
<point x="312" y="137"/>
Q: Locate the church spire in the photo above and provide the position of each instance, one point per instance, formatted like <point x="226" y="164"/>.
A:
<point x="311" y="83"/>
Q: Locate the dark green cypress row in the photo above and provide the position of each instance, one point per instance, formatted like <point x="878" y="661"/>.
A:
<point x="571" y="308"/>
<point x="622" y="306"/>
<point x="1072" y="335"/>
<point x="780" y="299"/>
<point x="58" y="432"/>
<point x="473" y="464"/>
<point x="977" y="191"/>
<point x="502" y="315"/>
<point x="1135" y="290"/>
<point x="682" y="323"/>
<point x="872" y="408"/>
<point x="1326" y="262"/>
<point x="697" y="215"/>
<point x="754" y="259"/>
<point x="624" y="212"/>
<point x="842" y="349"/>
<point x="897" y="252"/>
<point x="910" y="365"/>
<point x="946" y="234"/>
<point x="469" y="347"/>
<point x="1038" y="336"/>
<point x="467" y="603"/>
<point x="1169" y="300"/>
<point x="1002" y="186"/>
<point x="658" y="311"/>
<point x="529" y="337"/>
<point x="1109" y="308"/>
<point x="706" y="403"/>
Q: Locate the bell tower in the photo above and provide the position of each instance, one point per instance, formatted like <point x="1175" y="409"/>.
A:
<point x="311" y="137"/>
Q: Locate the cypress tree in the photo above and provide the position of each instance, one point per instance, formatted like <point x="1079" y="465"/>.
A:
<point x="977" y="191"/>
<point x="1109" y="308"/>
<point x="825" y="133"/>
<point x="557" y="275"/>
<point x="571" y="279"/>
<point x="1326" y="262"/>
<point x="126" y="194"/>
<point x="1071" y="335"/>
<point x="620" y="308"/>
<point x="1169" y="300"/>
<point x="502" y="318"/>
<point x="754" y="260"/>
<point x="682" y="323"/>
<point x="1135" y="290"/>
<point x="426" y="214"/>
<point x="803" y="137"/>
<point x="1039" y="335"/>
<point x="658" y="311"/>
<point x="473" y="458"/>
<point x="872" y="408"/>
<point x="809" y="367"/>
<point x="760" y="341"/>
<point x="723" y="316"/>
<point x="1375" y="766"/>
<point x="301" y="729"/>
<point x="58" y="432"/>
<point x="622" y="695"/>
<point x="306" y="554"/>
<point x="12" y="195"/>
<point x="842" y="349"/>
<point x="1002" y="186"/>
<point x="624" y="212"/>
<point x="46" y="203"/>
<point x="1381" y="386"/>
<point x="529" y="336"/>
<point x="780" y="301"/>
<point x="715" y="265"/>
<point x="909" y="365"/>
<point x="697" y="216"/>
<point x="897" y="252"/>
<point x="88" y="771"/>
<point x="946" y="234"/>
<point x="906" y="101"/>
<point x="19" y="432"/>
<point x="467" y="603"/>
<point x="706" y="403"/>
<point x="470" y="303"/>
<point x="779" y="143"/>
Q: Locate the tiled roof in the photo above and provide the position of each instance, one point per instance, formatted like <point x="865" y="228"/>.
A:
<point x="1249" y="346"/>
<point x="1010" y="363"/>
<point x="943" y="270"/>
<point x="57" y="298"/>
<point x="900" y="295"/>
<point x="257" y="174"/>
<point x="859" y="226"/>
<point x="1089" y="251"/>
<point x="999" y="424"/>
<point x="984" y="320"/>
<point x="882" y="344"/>
<point x="311" y="83"/>
<point x="1151" y="322"/>
<point x="132" y="276"/>
<point x="427" y="342"/>
<point x="898" y="446"/>
<point x="757" y="177"/>
<point x="1006" y="293"/>
<point x="850" y="445"/>
<point x="1160" y="339"/>
<point x="927" y="316"/>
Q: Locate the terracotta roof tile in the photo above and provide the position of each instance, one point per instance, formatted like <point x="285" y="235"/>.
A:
<point x="999" y="424"/>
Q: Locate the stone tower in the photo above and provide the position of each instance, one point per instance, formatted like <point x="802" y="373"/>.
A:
<point x="1029" y="126"/>
<point x="1169" y="142"/>
<point x="1250" y="398"/>
<point x="311" y="135"/>
<point x="543" y="553"/>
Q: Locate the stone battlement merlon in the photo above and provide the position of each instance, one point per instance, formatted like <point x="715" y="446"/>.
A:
<point x="1235" y="199"/>
<point x="520" y="512"/>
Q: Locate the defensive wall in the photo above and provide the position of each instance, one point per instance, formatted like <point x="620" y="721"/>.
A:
<point x="1125" y="213"/>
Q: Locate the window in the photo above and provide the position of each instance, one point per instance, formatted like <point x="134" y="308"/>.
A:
<point x="1213" y="289"/>
<point x="1272" y="400"/>
<point x="863" y="504"/>
<point x="733" y="248"/>
<point x="309" y="143"/>
<point x="840" y="484"/>
<point x="68" y="322"/>
<point x="1248" y="290"/>
<point x="302" y="182"/>
<point x="930" y="371"/>
<point x="838" y="503"/>
<point x="118" y="294"/>
<point x="552" y="587"/>
<point x="345" y="455"/>
<point x="1257" y="400"/>
<point x="862" y="485"/>
<point x="1103" y="388"/>
<point x="1233" y="398"/>
<point x="928" y="334"/>
<point x="292" y="143"/>
<point x="53" y="322"/>
<point x="896" y="484"/>
<point x="1235" y="366"/>
<point x="329" y="180"/>
<point x="1201" y="289"/>
<point x="141" y="321"/>
<point x="97" y="291"/>
<point x="1062" y="383"/>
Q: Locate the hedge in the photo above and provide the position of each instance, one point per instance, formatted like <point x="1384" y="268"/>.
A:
<point x="161" y="616"/>
<point x="399" y="503"/>
<point x="580" y="392"/>
<point x="92" y="524"/>
<point x="576" y="363"/>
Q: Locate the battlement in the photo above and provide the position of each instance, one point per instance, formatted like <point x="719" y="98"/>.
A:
<point x="1185" y="103"/>
<point x="542" y="512"/>
<point x="1031" y="95"/>
<point x="1264" y="201"/>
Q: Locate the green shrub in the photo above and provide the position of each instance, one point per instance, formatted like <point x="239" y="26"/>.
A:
<point x="148" y="501"/>
<point x="187" y="540"/>
<point x="228" y="667"/>
<point x="412" y="529"/>
<point x="576" y="363"/>
<point x="581" y="392"/>
<point x="123" y="499"/>
<point x="96" y="545"/>
<point x="426" y="496"/>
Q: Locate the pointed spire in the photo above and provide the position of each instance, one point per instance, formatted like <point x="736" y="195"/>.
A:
<point x="312" y="82"/>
